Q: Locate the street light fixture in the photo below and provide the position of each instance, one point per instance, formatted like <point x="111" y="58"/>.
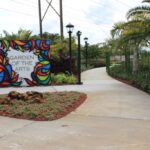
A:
<point x="70" y="28"/>
<point x="85" y="39"/>
<point x="86" y="50"/>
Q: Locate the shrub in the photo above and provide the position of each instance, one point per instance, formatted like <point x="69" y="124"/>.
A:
<point x="60" y="78"/>
<point x="63" y="78"/>
<point x="140" y="80"/>
<point x="63" y="65"/>
<point x="71" y="79"/>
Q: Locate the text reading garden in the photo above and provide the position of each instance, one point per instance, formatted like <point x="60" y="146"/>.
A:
<point x="24" y="62"/>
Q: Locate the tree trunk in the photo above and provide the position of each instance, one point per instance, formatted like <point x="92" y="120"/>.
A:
<point x="135" y="61"/>
<point x="126" y="60"/>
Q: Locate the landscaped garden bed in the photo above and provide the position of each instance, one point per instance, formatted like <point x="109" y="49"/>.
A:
<point x="40" y="106"/>
<point x="140" y="80"/>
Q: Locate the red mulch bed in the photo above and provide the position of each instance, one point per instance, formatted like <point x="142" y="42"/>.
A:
<point x="74" y="105"/>
<point x="123" y="80"/>
<point x="71" y="107"/>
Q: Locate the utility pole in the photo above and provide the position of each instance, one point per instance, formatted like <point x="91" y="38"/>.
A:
<point x="61" y="20"/>
<point x="40" y="18"/>
<point x="59" y="14"/>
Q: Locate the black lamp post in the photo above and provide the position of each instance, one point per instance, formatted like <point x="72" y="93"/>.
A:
<point x="86" y="50"/>
<point x="79" y="58"/>
<point x="70" y="28"/>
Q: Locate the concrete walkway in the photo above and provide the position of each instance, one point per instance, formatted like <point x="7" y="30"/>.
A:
<point x="114" y="117"/>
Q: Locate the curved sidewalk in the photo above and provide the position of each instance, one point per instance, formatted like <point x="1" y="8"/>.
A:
<point x="94" y="80"/>
<point x="115" y="116"/>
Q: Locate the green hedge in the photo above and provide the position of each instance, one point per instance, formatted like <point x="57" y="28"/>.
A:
<point x="140" y="80"/>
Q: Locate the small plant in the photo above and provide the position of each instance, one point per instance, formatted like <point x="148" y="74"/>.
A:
<point x="60" y="78"/>
<point x="71" y="79"/>
<point x="63" y="78"/>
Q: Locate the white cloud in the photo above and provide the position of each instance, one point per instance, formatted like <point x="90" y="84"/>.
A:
<point x="93" y="17"/>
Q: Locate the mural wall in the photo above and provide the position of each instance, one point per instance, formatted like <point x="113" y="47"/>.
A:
<point x="24" y="63"/>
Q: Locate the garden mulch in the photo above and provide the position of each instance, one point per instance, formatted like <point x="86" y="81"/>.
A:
<point x="59" y="105"/>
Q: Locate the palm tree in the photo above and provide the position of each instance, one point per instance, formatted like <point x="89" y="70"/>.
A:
<point x="130" y="32"/>
<point x="21" y="35"/>
<point x="140" y="12"/>
<point x="135" y="31"/>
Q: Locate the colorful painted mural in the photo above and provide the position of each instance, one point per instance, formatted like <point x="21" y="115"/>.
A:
<point x="41" y="69"/>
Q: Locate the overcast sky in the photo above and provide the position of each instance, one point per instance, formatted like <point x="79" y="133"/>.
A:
<point x="94" y="18"/>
